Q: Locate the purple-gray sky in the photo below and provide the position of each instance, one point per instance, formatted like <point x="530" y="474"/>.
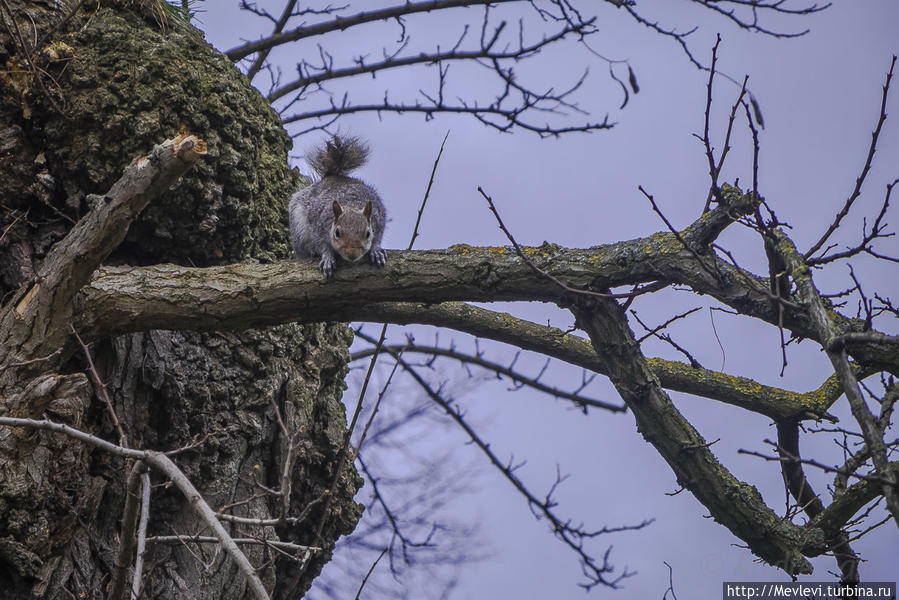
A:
<point x="819" y="93"/>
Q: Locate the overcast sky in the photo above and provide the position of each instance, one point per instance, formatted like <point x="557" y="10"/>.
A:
<point x="819" y="94"/>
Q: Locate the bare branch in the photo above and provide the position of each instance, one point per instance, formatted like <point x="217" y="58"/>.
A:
<point x="200" y="539"/>
<point x="326" y="72"/>
<point x="424" y="200"/>
<point x="801" y="489"/>
<point x="597" y="573"/>
<point x="368" y="574"/>
<point x="344" y="23"/>
<point x="537" y="270"/>
<point x="748" y="21"/>
<point x="141" y="535"/>
<point x="856" y="191"/>
<point x="785" y="457"/>
<point x="161" y="462"/>
<point x="533" y="382"/>
<point x="714" y="170"/>
<point x="731" y="502"/>
<point x="71" y="262"/>
<point x="127" y="537"/>
<point x="104" y="393"/>
<point x="667" y="338"/>
<point x="508" y="117"/>
<point x="877" y="231"/>
<point x="826" y="331"/>
<point x="848" y="502"/>
<point x="405" y="542"/>
<point x="278" y="28"/>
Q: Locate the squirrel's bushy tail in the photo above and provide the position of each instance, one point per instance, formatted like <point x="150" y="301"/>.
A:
<point x="339" y="156"/>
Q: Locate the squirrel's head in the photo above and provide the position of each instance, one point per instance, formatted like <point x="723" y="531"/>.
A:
<point x="351" y="233"/>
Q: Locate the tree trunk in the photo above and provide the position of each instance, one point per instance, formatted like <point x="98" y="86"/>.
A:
<point x="101" y="87"/>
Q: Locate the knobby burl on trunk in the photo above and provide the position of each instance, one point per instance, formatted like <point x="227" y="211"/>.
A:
<point x="79" y="97"/>
<point x="103" y="85"/>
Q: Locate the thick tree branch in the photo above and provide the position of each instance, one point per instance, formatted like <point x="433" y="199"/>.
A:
<point x="736" y="505"/>
<point x="801" y="490"/>
<point x="35" y="321"/>
<point x="826" y="332"/>
<point x="239" y="296"/>
<point x="848" y="502"/>
<point x="125" y="299"/>
<point x="465" y="272"/>
<point x="776" y="403"/>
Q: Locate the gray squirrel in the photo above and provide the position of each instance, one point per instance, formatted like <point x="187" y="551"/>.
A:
<point x="339" y="214"/>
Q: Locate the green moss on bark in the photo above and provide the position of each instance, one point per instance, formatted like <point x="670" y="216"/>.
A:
<point x="118" y="84"/>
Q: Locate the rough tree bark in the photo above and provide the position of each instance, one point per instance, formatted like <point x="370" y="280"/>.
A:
<point x="102" y="86"/>
<point x="84" y="92"/>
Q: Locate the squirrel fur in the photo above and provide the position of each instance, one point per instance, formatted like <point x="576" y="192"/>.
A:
<point x="338" y="215"/>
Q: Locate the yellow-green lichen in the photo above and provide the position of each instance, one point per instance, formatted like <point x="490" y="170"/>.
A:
<point x="460" y="249"/>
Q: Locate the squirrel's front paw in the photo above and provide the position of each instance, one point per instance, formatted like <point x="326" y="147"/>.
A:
<point x="327" y="265"/>
<point x="378" y="257"/>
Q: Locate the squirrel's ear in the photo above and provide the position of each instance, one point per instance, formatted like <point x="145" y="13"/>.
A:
<point x="366" y="212"/>
<point x="337" y="209"/>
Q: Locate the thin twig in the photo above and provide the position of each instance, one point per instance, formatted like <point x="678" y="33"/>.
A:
<point x="865" y="244"/>
<point x="572" y="536"/>
<point x="706" y="139"/>
<point x="543" y="274"/>
<point x="579" y="400"/>
<point x="715" y="274"/>
<point x="421" y="209"/>
<point x="654" y="332"/>
<point x="374" y="410"/>
<point x="36" y="360"/>
<point x="370" y="570"/>
<point x="101" y="386"/>
<point x="812" y="463"/>
<point x="670" y="583"/>
<point x="856" y="191"/>
<point x="161" y="462"/>
<point x="251" y="541"/>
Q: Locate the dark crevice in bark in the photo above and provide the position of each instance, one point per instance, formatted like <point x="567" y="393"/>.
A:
<point x="122" y="84"/>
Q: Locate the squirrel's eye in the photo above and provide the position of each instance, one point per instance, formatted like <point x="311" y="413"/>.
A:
<point x="368" y="233"/>
<point x="337" y="232"/>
